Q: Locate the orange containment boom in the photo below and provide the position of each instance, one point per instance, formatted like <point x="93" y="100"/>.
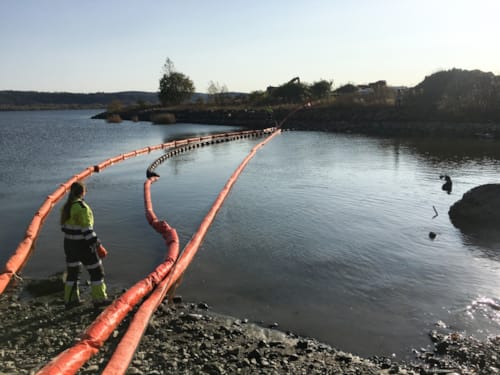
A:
<point x="125" y="350"/>
<point x="70" y="360"/>
<point x="22" y="253"/>
<point x="73" y="358"/>
<point x="131" y="339"/>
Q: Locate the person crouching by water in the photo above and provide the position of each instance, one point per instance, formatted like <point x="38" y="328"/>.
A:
<point x="82" y="246"/>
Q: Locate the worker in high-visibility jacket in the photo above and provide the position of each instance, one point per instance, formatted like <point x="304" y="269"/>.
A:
<point x="81" y="246"/>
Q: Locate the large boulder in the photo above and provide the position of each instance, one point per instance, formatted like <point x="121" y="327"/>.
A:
<point x="478" y="208"/>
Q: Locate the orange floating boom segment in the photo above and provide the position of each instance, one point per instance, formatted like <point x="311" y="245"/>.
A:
<point x="125" y="350"/>
<point x="129" y="342"/>
<point x="193" y="245"/>
<point x="60" y="192"/>
<point x="16" y="262"/>
<point x="5" y="277"/>
<point x="45" y="208"/>
<point x="116" y="159"/>
<point x="57" y="195"/>
<point x="71" y="360"/>
<point x="20" y="256"/>
<point x="84" y="174"/>
<point x="127" y="346"/>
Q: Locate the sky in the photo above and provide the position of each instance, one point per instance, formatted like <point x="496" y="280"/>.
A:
<point x="121" y="45"/>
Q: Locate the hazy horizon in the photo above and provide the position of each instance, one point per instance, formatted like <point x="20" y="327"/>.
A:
<point x="115" y="46"/>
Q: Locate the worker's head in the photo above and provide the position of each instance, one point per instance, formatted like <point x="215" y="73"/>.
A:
<point x="77" y="189"/>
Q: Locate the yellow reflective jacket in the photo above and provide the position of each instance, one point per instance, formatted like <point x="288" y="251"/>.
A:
<point x="80" y="224"/>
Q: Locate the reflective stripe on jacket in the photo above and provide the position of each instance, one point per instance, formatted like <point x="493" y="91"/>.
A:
<point x="80" y="225"/>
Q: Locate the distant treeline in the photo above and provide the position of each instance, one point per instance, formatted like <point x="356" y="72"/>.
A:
<point x="23" y="100"/>
<point x="451" y="95"/>
<point x="456" y="94"/>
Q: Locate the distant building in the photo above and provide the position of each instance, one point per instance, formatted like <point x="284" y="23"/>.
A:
<point x="365" y="89"/>
<point x="372" y="87"/>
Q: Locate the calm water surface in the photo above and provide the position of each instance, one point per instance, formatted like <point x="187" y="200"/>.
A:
<point x="326" y="234"/>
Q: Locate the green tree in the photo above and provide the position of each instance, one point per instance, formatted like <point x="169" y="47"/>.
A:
<point x="257" y="97"/>
<point x="347" y="89"/>
<point x="290" y="92"/>
<point x="321" y="89"/>
<point x="457" y="92"/>
<point x="175" y="87"/>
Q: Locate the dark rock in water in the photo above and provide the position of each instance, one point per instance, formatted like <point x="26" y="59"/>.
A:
<point x="447" y="186"/>
<point x="478" y="208"/>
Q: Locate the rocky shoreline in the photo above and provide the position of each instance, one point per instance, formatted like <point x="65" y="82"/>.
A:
<point x="188" y="338"/>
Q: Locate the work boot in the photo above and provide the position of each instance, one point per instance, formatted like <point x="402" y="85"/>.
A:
<point x="99" y="295"/>
<point x="71" y="293"/>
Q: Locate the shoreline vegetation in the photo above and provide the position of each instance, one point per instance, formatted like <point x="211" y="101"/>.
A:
<point x="373" y="121"/>
<point x="187" y="337"/>
<point x="11" y="100"/>
<point x="455" y="102"/>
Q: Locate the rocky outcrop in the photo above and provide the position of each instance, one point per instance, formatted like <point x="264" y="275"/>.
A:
<point x="478" y="208"/>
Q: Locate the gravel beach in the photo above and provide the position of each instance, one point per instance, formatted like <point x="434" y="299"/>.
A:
<point x="188" y="338"/>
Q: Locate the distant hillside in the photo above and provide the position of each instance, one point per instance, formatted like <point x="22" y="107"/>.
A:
<point x="47" y="100"/>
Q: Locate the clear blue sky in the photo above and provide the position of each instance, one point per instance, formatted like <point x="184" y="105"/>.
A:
<point x="119" y="45"/>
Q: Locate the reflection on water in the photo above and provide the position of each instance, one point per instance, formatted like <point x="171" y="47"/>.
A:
<point x="352" y="228"/>
<point x="326" y="234"/>
<point x="485" y="242"/>
<point x="442" y="150"/>
<point x="487" y="302"/>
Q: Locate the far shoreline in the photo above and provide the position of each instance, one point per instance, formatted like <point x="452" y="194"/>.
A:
<point x="379" y="121"/>
<point x="382" y="121"/>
